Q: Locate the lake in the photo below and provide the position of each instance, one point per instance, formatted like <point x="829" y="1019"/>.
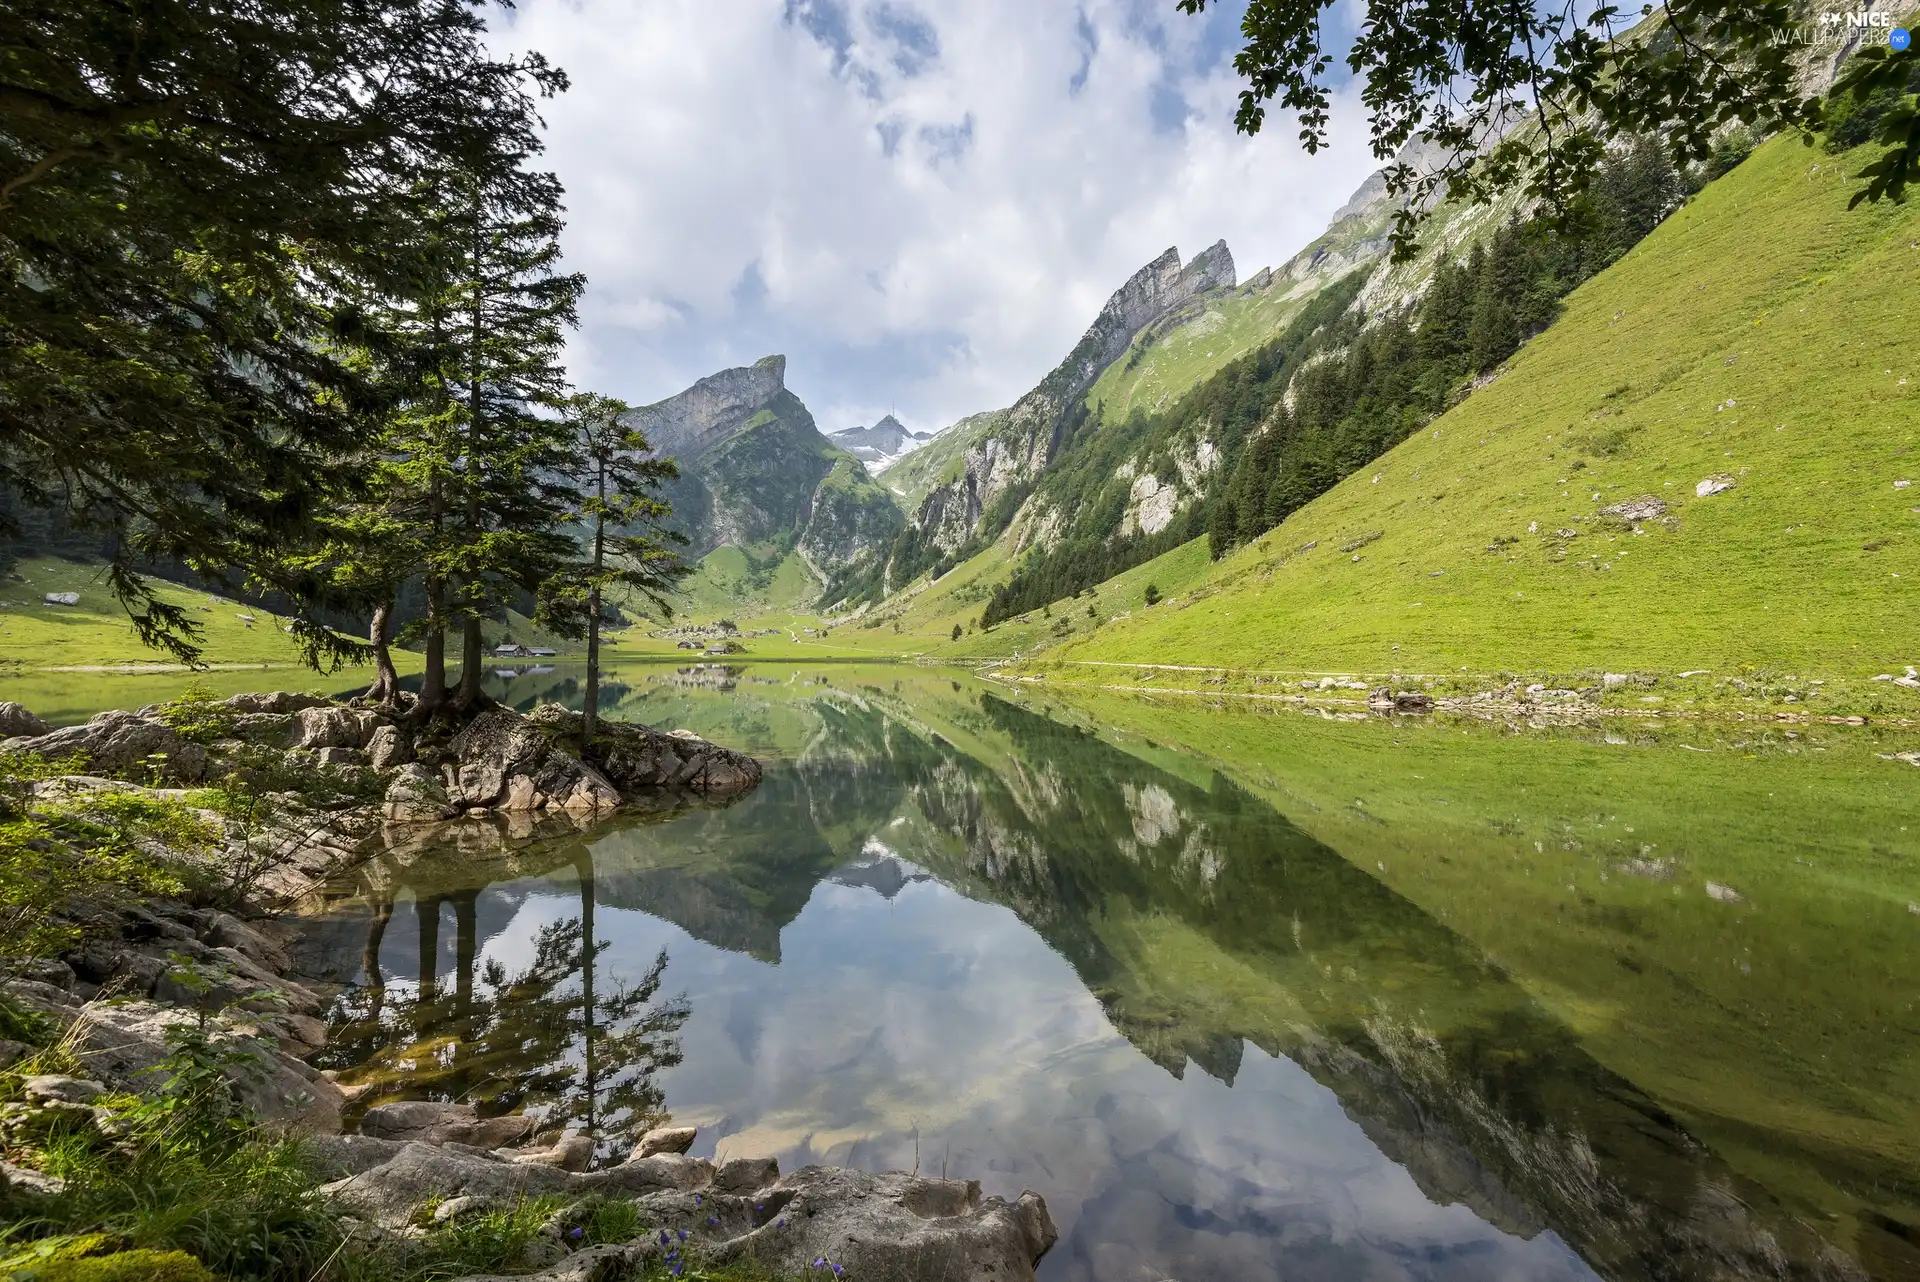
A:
<point x="1246" y="992"/>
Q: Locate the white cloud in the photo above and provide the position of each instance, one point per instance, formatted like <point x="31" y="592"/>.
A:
<point x="921" y="202"/>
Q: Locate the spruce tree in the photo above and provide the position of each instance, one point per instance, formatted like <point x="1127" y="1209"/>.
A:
<point x="203" y="208"/>
<point x="627" y="548"/>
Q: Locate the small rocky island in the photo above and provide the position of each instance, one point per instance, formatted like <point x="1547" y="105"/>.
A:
<point x="267" y="796"/>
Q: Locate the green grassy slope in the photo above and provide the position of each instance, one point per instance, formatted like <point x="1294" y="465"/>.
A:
<point x="1764" y="332"/>
<point x="95" y="633"/>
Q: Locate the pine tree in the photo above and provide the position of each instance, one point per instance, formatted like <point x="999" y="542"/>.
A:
<point x="626" y="545"/>
<point x="204" y="208"/>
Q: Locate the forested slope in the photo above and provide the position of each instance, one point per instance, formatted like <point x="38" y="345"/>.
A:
<point x="1705" y="463"/>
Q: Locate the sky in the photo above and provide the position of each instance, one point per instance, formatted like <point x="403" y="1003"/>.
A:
<point x="922" y="204"/>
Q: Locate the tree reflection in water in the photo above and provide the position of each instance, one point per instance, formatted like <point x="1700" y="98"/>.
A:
<point x="550" y="1037"/>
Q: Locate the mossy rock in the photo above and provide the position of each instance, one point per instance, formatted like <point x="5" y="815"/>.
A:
<point x="125" y="1266"/>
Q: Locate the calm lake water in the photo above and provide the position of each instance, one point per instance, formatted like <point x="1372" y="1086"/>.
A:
<point x="1244" y="994"/>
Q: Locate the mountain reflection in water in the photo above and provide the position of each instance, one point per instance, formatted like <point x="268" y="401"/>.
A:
<point x="992" y="945"/>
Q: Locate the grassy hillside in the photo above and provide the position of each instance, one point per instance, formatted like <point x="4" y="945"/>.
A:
<point x="1764" y="335"/>
<point x="95" y="633"/>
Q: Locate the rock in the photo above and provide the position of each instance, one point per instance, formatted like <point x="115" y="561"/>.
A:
<point x="62" y="598"/>
<point x="636" y="759"/>
<point x="573" y="1152"/>
<point x="1644" y="508"/>
<point x="224" y="930"/>
<point x="15" y="721"/>
<point x="124" y="743"/>
<point x="30" y="1183"/>
<point x="430" y="1123"/>
<point x="1714" y="484"/>
<point x="416" y="795"/>
<point x="1380" y="697"/>
<point x="1412" y="701"/>
<point x="745" y="1174"/>
<point x="896" y="1226"/>
<point x="118" y="1041"/>
<point x="278" y="701"/>
<point x="665" y="1171"/>
<point x="337" y="757"/>
<point x="389" y="746"/>
<point x="12" y="1052"/>
<point x="666" y="1139"/>
<point x="1613" y="680"/>
<point x="50" y="1087"/>
<point x="1725" y="894"/>
<point x="333" y="1157"/>
<point x="331" y="727"/>
<point x="388" y="1193"/>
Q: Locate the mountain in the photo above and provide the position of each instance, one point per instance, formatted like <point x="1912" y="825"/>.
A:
<point x="1000" y="464"/>
<point x="941" y="458"/>
<point x="1704" y="463"/>
<point x="881" y="445"/>
<point x="763" y="498"/>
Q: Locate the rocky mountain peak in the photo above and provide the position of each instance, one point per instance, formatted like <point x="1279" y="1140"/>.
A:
<point x="712" y="409"/>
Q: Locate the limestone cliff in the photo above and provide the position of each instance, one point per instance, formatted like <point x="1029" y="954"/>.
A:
<point x="1022" y="444"/>
<point x="757" y="475"/>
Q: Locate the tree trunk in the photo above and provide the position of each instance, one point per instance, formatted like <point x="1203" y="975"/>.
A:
<point x="433" y="684"/>
<point x="590" y="713"/>
<point x="386" y="680"/>
<point x="471" y="652"/>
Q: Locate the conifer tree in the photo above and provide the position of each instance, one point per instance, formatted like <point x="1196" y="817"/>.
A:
<point x="203" y="209"/>
<point x="627" y="547"/>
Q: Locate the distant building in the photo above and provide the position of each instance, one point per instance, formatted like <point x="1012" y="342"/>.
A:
<point x="513" y="650"/>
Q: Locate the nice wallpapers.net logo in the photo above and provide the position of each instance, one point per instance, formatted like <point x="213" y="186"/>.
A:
<point x="1842" y="22"/>
<point x="1836" y="25"/>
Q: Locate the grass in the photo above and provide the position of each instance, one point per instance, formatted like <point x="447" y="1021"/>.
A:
<point x="96" y="633"/>
<point x="1782" y="361"/>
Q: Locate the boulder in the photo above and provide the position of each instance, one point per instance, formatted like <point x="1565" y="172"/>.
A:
<point x="636" y="759"/>
<point x="61" y="598"/>
<point x="336" y="757"/>
<point x="276" y="701"/>
<point x="571" y="1152"/>
<point x="119" y="1041"/>
<point x="416" y="795"/>
<point x="745" y="1174"/>
<point x="901" y="1227"/>
<point x="430" y="1123"/>
<point x="389" y="746"/>
<point x="508" y="762"/>
<point x="51" y="1087"/>
<point x="331" y="727"/>
<point x="666" y="1139"/>
<point x="124" y="743"/>
<point x="16" y="721"/>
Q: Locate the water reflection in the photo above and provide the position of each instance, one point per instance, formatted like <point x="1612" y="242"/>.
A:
<point x="953" y="934"/>
<point x="550" y="1032"/>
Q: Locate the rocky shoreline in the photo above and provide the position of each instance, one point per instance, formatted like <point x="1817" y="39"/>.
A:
<point x="116" y="1001"/>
